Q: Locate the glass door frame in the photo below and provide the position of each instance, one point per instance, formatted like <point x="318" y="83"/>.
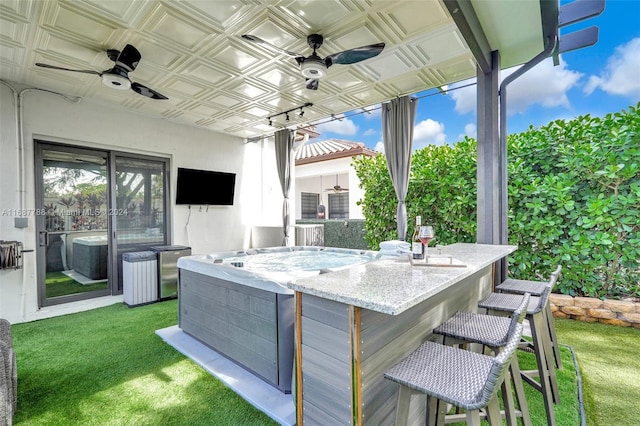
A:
<point x="114" y="255"/>
<point x="41" y="232"/>
<point x="115" y="286"/>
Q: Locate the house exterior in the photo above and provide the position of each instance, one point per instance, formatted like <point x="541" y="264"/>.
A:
<point x="114" y="132"/>
<point x="325" y="177"/>
<point x="225" y="96"/>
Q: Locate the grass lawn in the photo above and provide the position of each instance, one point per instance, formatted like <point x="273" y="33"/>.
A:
<point x="568" y="411"/>
<point x="609" y="360"/>
<point x="58" y="284"/>
<point x="107" y="367"/>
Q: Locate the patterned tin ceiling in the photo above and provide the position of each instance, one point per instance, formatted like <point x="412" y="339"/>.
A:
<point x="193" y="53"/>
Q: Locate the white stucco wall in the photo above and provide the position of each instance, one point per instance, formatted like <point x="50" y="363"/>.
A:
<point x="46" y="116"/>
<point x="308" y="180"/>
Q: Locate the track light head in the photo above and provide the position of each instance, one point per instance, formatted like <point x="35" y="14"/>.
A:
<point x="292" y="110"/>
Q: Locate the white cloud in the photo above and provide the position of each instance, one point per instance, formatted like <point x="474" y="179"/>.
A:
<point x="620" y="76"/>
<point x="370" y="132"/>
<point x="428" y="132"/>
<point x="544" y="84"/>
<point x="372" y="111"/>
<point x="341" y="127"/>
<point x="464" y="97"/>
<point x="470" y="130"/>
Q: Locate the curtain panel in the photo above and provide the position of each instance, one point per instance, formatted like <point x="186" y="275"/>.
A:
<point x="284" y="146"/>
<point x="398" y="118"/>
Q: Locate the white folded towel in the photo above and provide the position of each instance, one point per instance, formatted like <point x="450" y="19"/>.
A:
<point x="395" y="254"/>
<point x="395" y="245"/>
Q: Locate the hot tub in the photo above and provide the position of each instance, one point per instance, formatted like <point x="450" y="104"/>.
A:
<point x="238" y="304"/>
<point x="90" y="254"/>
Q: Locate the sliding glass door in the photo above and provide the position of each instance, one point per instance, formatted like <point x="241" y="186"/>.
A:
<point x="72" y="224"/>
<point x="92" y="206"/>
<point x="140" y="213"/>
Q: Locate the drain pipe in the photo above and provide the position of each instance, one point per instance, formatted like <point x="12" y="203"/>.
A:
<point x="552" y="40"/>
<point x="18" y="143"/>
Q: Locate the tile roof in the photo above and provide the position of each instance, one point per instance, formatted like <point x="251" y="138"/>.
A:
<point x="328" y="149"/>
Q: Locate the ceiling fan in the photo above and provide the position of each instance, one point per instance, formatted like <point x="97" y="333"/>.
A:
<point x="337" y="188"/>
<point x="313" y="67"/>
<point x="118" y="76"/>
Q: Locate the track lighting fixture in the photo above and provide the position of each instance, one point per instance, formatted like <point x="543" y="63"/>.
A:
<point x="286" y="113"/>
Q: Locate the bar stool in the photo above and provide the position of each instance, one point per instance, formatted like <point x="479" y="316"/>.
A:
<point x="493" y="332"/>
<point x="465" y="379"/>
<point x="540" y="344"/>
<point x="535" y="288"/>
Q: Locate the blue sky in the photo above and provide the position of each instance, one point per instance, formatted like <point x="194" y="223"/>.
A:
<point x="595" y="80"/>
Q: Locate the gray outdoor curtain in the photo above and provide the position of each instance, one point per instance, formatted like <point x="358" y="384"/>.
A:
<point x="284" y="147"/>
<point x="398" y="118"/>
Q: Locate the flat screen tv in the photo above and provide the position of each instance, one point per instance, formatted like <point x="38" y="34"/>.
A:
<point x="205" y="187"/>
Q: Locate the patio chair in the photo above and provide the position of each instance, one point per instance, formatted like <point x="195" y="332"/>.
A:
<point x="6" y="387"/>
<point x="465" y="379"/>
<point x="493" y="332"/>
<point x="8" y="374"/>
<point x="540" y="344"/>
<point x="535" y="288"/>
<point x="6" y="409"/>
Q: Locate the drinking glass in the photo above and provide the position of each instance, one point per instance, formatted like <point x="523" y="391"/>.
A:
<point x="426" y="235"/>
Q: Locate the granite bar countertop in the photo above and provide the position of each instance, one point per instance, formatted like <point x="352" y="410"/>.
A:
<point x="392" y="286"/>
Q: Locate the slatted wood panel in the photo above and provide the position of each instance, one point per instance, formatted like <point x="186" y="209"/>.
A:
<point x="238" y="321"/>
<point x="386" y="339"/>
<point x="326" y="356"/>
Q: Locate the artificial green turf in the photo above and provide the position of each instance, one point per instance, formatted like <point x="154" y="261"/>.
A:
<point x="58" y="284"/>
<point x="609" y="360"/>
<point x="107" y="367"/>
<point x="567" y="413"/>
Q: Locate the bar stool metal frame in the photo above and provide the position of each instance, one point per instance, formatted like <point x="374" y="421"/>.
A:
<point x="465" y="379"/>
<point x="540" y="345"/>
<point x="492" y="332"/>
<point x="535" y="288"/>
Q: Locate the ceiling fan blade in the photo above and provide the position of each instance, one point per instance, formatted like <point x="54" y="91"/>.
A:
<point x="312" y="83"/>
<point x="357" y="54"/>
<point x="67" y="69"/>
<point x="145" y="91"/>
<point x="129" y="58"/>
<point x="268" y="45"/>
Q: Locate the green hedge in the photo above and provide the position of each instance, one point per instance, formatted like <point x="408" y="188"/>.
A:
<point x="341" y="233"/>
<point x="574" y="199"/>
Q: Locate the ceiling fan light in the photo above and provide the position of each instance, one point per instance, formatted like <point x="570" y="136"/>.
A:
<point x="115" y="81"/>
<point x="313" y="69"/>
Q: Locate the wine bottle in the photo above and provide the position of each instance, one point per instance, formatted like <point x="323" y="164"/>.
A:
<point x="417" y="248"/>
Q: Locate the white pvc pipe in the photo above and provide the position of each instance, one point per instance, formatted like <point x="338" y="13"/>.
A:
<point x="18" y="143"/>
